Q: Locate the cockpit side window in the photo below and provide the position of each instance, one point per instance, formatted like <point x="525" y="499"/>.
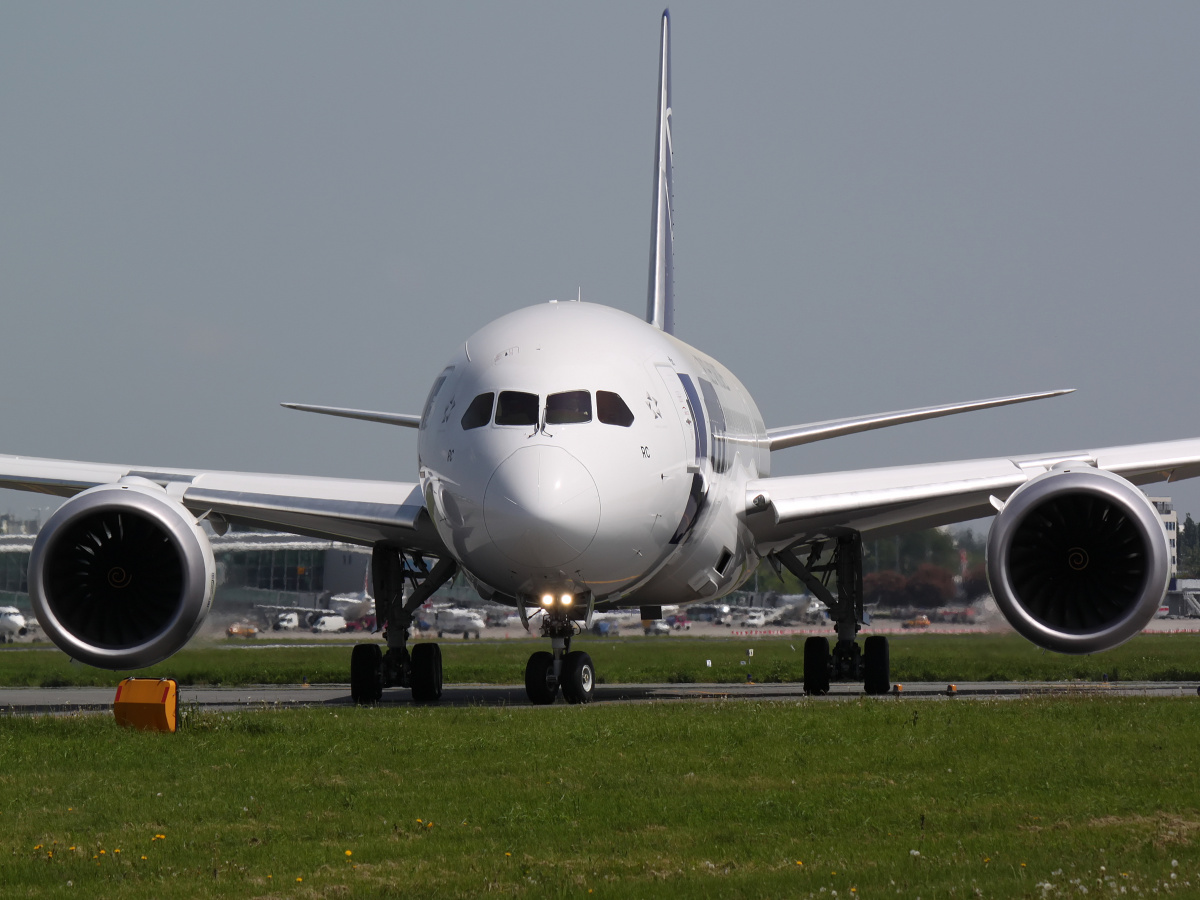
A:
<point x="479" y="413"/>
<point x="433" y="392"/>
<point x="611" y="409"/>
<point x="569" y="408"/>
<point x="517" y="408"/>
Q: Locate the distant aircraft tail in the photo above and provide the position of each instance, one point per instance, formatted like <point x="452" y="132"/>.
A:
<point x="660" y="299"/>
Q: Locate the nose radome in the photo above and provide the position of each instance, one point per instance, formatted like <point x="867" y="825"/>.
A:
<point x="541" y="507"/>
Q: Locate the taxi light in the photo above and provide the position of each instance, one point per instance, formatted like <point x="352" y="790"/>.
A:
<point x="547" y="599"/>
<point x="567" y="599"/>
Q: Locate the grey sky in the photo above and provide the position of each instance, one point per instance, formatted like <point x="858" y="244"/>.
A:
<point x="208" y="209"/>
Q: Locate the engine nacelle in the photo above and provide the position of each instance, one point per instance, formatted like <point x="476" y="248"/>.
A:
<point x="1078" y="560"/>
<point x="121" y="575"/>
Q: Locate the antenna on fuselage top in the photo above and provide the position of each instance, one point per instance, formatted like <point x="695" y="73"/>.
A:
<point x="660" y="298"/>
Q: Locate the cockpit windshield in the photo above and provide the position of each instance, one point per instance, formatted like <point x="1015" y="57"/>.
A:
<point x="564" y="408"/>
<point x="569" y="408"/>
<point x="611" y="409"/>
<point x="517" y="408"/>
<point x="479" y="413"/>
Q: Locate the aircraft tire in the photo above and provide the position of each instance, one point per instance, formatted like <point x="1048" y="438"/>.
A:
<point x="539" y="693"/>
<point x="876" y="665"/>
<point x="366" y="673"/>
<point x="426" y="673"/>
<point x="579" y="677"/>
<point x="816" y="666"/>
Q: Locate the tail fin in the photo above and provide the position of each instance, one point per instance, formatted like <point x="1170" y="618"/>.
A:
<point x="660" y="299"/>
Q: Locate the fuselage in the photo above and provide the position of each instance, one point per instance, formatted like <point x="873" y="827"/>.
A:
<point x="573" y="448"/>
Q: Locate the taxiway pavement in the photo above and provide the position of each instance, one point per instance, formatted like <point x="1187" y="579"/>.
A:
<point x="31" y="701"/>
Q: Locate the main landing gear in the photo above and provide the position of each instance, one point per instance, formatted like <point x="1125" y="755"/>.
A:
<point x="371" y="670"/>
<point x="870" y="664"/>
<point x="570" y="670"/>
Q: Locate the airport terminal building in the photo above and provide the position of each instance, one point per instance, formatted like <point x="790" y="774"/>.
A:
<point x="253" y="568"/>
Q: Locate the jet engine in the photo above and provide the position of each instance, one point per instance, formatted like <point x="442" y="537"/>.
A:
<point x="122" y="575"/>
<point x="1078" y="560"/>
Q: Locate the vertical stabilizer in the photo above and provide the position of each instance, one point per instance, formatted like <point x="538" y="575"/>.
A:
<point x="660" y="298"/>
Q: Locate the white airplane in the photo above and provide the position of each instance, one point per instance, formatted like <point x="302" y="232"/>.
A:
<point x="452" y="620"/>
<point x="12" y="624"/>
<point x="573" y="457"/>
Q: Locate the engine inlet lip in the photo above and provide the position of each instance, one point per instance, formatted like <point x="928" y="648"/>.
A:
<point x="1116" y="491"/>
<point x="179" y="528"/>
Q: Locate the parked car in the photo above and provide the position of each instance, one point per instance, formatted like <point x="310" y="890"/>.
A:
<point x="329" y="624"/>
<point x="679" y="622"/>
<point x="755" y="618"/>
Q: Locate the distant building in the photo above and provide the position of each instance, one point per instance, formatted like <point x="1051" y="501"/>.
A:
<point x="250" y="566"/>
<point x="1170" y="520"/>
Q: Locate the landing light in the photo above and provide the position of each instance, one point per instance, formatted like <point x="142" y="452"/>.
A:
<point x="567" y="599"/>
<point x="547" y="599"/>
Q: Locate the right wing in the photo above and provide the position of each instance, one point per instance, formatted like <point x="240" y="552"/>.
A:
<point x="342" y="509"/>
<point x="876" y="502"/>
<point x="405" y="420"/>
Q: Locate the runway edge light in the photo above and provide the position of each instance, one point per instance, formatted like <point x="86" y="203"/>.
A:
<point x="148" y="704"/>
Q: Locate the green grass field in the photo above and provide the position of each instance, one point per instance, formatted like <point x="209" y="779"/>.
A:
<point x="935" y="799"/>
<point x="926" y="657"/>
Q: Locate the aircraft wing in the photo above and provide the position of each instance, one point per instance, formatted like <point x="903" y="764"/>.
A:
<point x="877" y="502"/>
<point x="343" y="509"/>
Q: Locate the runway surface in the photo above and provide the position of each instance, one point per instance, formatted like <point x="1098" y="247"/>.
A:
<point x="27" y="701"/>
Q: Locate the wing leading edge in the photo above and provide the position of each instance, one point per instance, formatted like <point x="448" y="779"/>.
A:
<point x="344" y="509"/>
<point x="788" y="509"/>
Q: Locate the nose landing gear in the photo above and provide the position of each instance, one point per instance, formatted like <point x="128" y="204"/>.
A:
<point x="570" y="670"/>
<point x="847" y="662"/>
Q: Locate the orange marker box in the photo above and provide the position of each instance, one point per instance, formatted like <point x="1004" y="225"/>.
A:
<point x="150" y="704"/>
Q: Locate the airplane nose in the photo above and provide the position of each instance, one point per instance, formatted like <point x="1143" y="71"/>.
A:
<point x="541" y="507"/>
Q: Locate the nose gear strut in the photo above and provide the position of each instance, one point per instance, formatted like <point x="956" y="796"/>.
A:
<point x="562" y="667"/>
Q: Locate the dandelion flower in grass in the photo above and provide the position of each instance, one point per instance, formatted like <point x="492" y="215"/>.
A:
<point x="38" y="847"/>
<point x="299" y="879"/>
<point x="349" y="852"/>
<point x="145" y="857"/>
<point x="506" y="853"/>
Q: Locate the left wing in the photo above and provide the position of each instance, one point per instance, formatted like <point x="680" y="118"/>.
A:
<point x="344" y="509"/>
<point x="795" y="435"/>
<point x="876" y="502"/>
